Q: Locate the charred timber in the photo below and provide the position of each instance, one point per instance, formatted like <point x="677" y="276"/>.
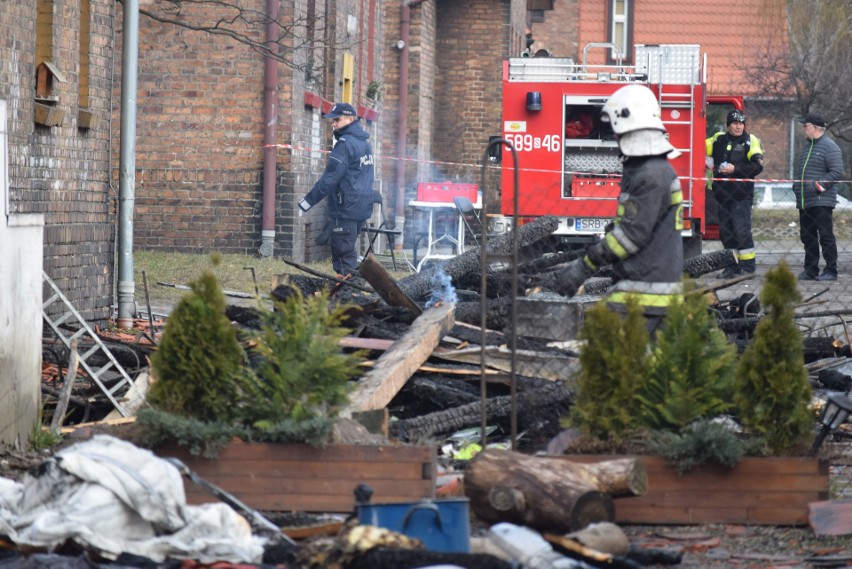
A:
<point x="692" y="267"/>
<point x="470" y="415"/>
<point x="421" y="285"/>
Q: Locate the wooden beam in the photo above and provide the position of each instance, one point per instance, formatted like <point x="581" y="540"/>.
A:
<point x="379" y="385"/>
<point x="384" y="284"/>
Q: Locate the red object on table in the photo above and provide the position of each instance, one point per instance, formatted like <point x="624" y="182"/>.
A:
<point x="444" y="192"/>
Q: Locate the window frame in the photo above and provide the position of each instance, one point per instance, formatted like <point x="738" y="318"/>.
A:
<point x="627" y="36"/>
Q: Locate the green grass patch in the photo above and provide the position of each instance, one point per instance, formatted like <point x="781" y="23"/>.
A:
<point x="233" y="272"/>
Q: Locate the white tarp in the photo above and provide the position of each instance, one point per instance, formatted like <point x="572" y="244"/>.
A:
<point x="113" y="497"/>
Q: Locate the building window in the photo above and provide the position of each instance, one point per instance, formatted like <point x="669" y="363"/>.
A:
<point x="620" y="18"/>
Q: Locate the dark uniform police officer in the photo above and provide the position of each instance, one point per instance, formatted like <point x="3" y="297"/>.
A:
<point x="348" y="184"/>
<point x="644" y="245"/>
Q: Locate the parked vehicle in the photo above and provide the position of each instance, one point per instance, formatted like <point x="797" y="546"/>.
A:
<point x="568" y="159"/>
<point x="779" y="195"/>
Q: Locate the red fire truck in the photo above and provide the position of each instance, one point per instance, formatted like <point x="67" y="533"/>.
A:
<point x="568" y="160"/>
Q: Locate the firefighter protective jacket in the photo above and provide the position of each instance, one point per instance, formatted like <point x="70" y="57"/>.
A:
<point x="645" y="244"/>
<point x="745" y="153"/>
<point x="348" y="177"/>
<point x="820" y="159"/>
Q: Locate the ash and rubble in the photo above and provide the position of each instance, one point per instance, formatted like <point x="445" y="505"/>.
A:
<point x="444" y="397"/>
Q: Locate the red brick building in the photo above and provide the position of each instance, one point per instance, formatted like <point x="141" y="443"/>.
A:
<point x="200" y="127"/>
<point x="730" y="32"/>
<point x="56" y="75"/>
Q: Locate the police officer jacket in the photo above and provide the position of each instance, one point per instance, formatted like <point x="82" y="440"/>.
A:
<point x="745" y="153"/>
<point x="820" y="160"/>
<point x="645" y="245"/>
<point x="348" y="176"/>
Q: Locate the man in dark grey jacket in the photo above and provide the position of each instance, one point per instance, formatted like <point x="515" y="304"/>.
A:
<point x="820" y="165"/>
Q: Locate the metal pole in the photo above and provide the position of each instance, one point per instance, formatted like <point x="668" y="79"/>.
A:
<point x="127" y="163"/>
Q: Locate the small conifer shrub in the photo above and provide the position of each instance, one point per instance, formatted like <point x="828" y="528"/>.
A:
<point x="772" y="391"/>
<point x="199" y="364"/>
<point x="613" y="361"/>
<point x="302" y="372"/>
<point x="691" y="373"/>
<point x="703" y="441"/>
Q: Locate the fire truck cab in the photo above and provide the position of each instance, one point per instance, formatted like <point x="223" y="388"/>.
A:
<point x="568" y="159"/>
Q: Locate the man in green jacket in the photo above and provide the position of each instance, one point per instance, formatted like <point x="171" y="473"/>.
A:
<point x="820" y="165"/>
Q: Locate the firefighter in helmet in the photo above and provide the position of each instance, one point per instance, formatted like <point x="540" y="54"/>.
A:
<point x="644" y="244"/>
<point x="735" y="154"/>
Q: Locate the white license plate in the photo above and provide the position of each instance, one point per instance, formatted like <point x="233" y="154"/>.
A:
<point x="591" y="223"/>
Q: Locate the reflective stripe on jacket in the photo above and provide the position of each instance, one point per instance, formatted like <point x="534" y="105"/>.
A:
<point x="645" y="246"/>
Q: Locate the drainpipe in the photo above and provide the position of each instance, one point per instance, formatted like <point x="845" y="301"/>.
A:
<point x="270" y="121"/>
<point x="399" y="203"/>
<point x="127" y="164"/>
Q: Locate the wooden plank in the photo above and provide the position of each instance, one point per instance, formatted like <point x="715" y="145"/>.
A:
<point x="377" y="344"/>
<point x="751" y="499"/>
<point x="241" y="451"/>
<point x="751" y="465"/>
<point x="379" y="385"/>
<point x="831" y="518"/>
<point x="298" y="477"/>
<point x="298" y="470"/>
<point x="758" y="491"/>
<point x="259" y="488"/>
<point x="385" y="285"/>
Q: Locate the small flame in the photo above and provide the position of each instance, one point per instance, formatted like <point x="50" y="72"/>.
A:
<point x="443" y="290"/>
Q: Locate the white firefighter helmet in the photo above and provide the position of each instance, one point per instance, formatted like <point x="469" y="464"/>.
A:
<point x="633" y="107"/>
<point x="634" y="113"/>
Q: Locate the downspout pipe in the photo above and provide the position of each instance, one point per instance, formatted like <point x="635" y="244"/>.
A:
<point x="404" y="29"/>
<point x="127" y="164"/>
<point x="270" y="133"/>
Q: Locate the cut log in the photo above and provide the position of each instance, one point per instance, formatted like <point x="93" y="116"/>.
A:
<point x="547" y="493"/>
<point x="379" y="385"/>
<point x="385" y="285"/>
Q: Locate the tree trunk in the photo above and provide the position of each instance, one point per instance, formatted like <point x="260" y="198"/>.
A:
<point x="548" y="493"/>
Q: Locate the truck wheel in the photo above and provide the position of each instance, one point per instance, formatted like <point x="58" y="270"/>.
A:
<point x="691" y="246"/>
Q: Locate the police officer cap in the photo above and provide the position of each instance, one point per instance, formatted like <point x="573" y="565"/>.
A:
<point x="815" y="119"/>
<point x="341" y="110"/>
<point x="736" y="116"/>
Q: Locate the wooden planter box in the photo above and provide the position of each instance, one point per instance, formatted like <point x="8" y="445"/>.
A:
<point x="301" y="478"/>
<point x="758" y="491"/>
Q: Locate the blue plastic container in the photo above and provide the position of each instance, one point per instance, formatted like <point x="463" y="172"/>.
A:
<point x="442" y="525"/>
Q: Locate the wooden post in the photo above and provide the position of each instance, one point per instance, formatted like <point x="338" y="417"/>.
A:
<point x="65" y="394"/>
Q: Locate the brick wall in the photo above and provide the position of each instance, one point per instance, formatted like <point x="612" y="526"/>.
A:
<point x="771" y="124"/>
<point x="63" y="171"/>
<point x="559" y="30"/>
<point x="456" y="52"/>
<point x="200" y="129"/>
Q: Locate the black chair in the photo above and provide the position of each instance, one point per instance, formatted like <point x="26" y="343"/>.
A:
<point x="374" y="232"/>
<point x="469" y="216"/>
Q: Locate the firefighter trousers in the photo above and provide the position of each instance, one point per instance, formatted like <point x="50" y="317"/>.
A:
<point x="735" y="230"/>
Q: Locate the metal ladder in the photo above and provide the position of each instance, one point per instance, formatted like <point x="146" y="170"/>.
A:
<point x="85" y="333"/>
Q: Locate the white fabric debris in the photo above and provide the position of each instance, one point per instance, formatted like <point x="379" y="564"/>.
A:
<point x="112" y="497"/>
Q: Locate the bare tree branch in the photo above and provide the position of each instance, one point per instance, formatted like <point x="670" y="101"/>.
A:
<point x="296" y="43"/>
<point x="809" y="62"/>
